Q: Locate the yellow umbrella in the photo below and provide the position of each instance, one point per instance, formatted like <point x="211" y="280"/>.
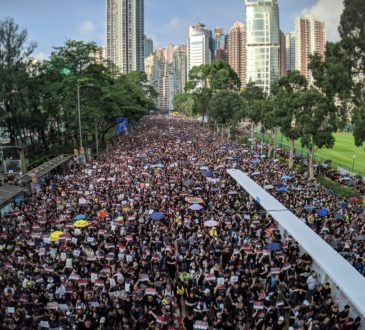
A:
<point x="55" y="235"/>
<point x="81" y="224"/>
<point x="119" y="219"/>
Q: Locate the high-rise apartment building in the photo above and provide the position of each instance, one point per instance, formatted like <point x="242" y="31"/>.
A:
<point x="179" y="66"/>
<point x="310" y="38"/>
<point x="237" y="50"/>
<point x="168" y="77"/>
<point x="290" y="51"/>
<point x="148" y="46"/>
<point x="198" y="46"/>
<point x="125" y="34"/>
<point x="263" y="42"/>
<point x="282" y="54"/>
<point x="169" y="53"/>
<point x="219" y="50"/>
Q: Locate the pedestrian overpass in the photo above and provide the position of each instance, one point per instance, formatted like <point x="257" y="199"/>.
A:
<point x="348" y="285"/>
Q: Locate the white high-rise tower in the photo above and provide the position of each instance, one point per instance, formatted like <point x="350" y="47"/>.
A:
<point x="263" y="42"/>
<point x="199" y="51"/>
<point x="125" y="34"/>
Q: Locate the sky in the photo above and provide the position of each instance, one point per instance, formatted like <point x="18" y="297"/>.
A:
<point x="51" y="22"/>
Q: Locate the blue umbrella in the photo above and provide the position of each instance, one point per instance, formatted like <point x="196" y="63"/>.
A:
<point x="282" y="189"/>
<point x="195" y="207"/>
<point x="286" y="177"/>
<point x="322" y="212"/>
<point x="255" y="161"/>
<point x="273" y="246"/>
<point x="207" y="174"/>
<point x="157" y="216"/>
<point x="80" y="217"/>
<point x="344" y="206"/>
<point x="339" y="216"/>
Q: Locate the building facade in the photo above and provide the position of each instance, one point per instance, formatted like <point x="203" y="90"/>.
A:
<point x="310" y="38"/>
<point x="167" y="73"/>
<point x="290" y="51"/>
<point x="263" y="42"/>
<point x="179" y="66"/>
<point x="198" y="46"/>
<point x="125" y="34"/>
<point x="219" y="45"/>
<point x="282" y="54"/>
<point x="237" y="50"/>
<point x="148" y="46"/>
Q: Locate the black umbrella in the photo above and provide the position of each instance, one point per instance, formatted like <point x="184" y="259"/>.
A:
<point x="327" y="161"/>
<point x="339" y="217"/>
<point x="358" y="177"/>
<point x="357" y="210"/>
<point x="188" y="182"/>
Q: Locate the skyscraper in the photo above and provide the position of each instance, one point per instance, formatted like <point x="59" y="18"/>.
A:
<point x="148" y="46"/>
<point x="310" y="38"/>
<point x="179" y="66"/>
<point x="263" y="42"/>
<point x="290" y="51"/>
<point x="199" y="46"/>
<point x="282" y="54"/>
<point x="125" y="34"/>
<point x="219" y="44"/>
<point x="237" y="50"/>
<point x="167" y="76"/>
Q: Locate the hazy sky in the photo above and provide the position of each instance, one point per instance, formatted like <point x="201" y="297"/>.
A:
<point x="51" y="22"/>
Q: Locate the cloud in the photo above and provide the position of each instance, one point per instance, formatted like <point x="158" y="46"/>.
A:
<point x="175" y="23"/>
<point x="86" y="29"/>
<point x="41" y="56"/>
<point x="330" y="12"/>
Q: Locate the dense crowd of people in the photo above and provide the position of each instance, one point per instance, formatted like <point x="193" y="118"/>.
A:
<point x="154" y="234"/>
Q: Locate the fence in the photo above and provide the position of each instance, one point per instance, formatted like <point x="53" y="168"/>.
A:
<point x="304" y="154"/>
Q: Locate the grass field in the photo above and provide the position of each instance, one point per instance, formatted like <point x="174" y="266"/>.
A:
<point x="341" y="154"/>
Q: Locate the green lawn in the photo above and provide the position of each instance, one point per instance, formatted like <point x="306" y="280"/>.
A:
<point x="341" y="154"/>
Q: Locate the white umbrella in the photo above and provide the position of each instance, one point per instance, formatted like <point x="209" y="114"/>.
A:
<point x="232" y="192"/>
<point x="211" y="223"/>
<point x="195" y="207"/>
<point x="268" y="187"/>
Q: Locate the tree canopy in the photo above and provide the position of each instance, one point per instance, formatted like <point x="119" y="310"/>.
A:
<point x="38" y="99"/>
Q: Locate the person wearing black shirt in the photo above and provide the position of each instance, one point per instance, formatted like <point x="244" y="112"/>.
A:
<point x="189" y="321"/>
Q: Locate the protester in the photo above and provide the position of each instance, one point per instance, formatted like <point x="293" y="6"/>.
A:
<point x="154" y="235"/>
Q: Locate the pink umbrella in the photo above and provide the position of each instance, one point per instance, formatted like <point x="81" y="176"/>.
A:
<point x="211" y="223"/>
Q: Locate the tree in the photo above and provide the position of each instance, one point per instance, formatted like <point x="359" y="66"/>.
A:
<point x="287" y="108"/>
<point x="199" y="85"/>
<point x="225" y="109"/>
<point x="207" y="79"/>
<point x="352" y="32"/>
<point x="317" y="122"/>
<point x="15" y="54"/>
<point x="249" y="95"/>
<point x="184" y="102"/>
<point x="333" y="77"/>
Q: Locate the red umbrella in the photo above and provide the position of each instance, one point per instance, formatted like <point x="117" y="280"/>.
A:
<point x="354" y="200"/>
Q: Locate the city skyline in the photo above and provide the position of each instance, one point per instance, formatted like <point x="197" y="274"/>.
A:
<point x="165" y="24"/>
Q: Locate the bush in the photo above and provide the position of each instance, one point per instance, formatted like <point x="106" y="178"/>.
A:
<point x="337" y="188"/>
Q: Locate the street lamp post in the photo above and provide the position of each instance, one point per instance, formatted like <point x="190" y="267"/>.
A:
<point x="353" y="163"/>
<point x="79" y="114"/>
